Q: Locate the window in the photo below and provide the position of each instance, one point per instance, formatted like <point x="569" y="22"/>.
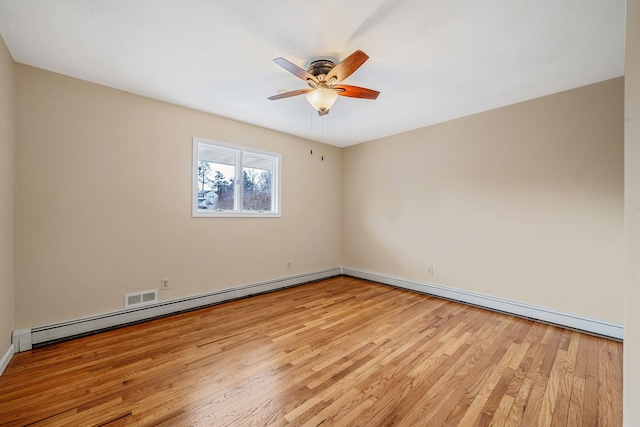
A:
<point x="229" y="180"/>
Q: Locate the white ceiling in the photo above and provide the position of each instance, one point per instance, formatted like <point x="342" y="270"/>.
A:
<point x="432" y="60"/>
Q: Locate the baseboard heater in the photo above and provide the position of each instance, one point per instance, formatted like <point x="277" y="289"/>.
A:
<point x="27" y="338"/>
<point x="515" y="308"/>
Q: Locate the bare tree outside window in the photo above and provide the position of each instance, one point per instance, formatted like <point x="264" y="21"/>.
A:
<point x="257" y="189"/>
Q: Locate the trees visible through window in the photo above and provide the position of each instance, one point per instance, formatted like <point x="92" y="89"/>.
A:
<point x="216" y="190"/>
<point x="234" y="181"/>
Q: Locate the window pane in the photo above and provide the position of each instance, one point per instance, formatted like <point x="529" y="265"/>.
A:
<point x="257" y="183"/>
<point x="216" y="172"/>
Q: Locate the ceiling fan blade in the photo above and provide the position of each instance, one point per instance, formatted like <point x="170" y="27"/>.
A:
<point x="295" y="70"/>
<point x="290" y="94"/>
<point x="323" y="113"/>
<point x="348" y="65"/>
<point x="356" y="92"/>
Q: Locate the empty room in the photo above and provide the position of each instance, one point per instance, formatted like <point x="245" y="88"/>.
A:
<point x="364" y="213"/>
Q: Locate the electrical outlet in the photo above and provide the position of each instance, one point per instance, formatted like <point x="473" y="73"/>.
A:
<point x="164" y="283"/>
<point x="430" y="270"/>
<point x="288" y="265"/>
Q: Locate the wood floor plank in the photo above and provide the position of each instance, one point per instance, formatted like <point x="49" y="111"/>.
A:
<point x="616" y="380"/>
<point x="590" y="413"/>
<point x="605" y="402"/>
<point x="540" y="370"/>
<point x="561" y="412"/>
<point x="495" y="401"/>
<point x="341" y="351"/>
<point x="576" y="403"/>
<point x="481" y="397"/>
<point x="468" y="370"/>
<point x="550" y="397"/>
<point x="501" y="413"/>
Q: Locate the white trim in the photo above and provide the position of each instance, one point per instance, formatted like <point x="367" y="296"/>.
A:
<point x="4" y="362"/>
<point x="87" y="325"/>
<point x="239" y="152"/>
<point x="594" y="326"/>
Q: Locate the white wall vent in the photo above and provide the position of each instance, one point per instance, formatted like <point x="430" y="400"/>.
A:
<point x="137" y="299"/>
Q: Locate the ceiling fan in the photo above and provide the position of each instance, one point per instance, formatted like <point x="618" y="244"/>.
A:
<point x="323" y="78"/>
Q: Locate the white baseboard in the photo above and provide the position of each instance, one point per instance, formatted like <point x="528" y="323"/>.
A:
<point x="23" y="339"/>
<point x="594" y="326"/>
<point x="54" y="332"/>
<point x="4" y="362"/>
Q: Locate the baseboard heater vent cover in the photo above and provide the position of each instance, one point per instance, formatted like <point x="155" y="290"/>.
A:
<point x="137" y="299"/>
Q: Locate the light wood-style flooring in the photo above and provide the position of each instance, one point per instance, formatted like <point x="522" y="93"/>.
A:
<point x="339" y="352"/>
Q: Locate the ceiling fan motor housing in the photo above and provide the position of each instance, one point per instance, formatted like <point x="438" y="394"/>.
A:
<point x="320" y="67"/>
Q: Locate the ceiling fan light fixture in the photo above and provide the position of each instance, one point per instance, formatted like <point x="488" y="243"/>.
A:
<point x="322" y="98"/>
<point x="324" y="79"/>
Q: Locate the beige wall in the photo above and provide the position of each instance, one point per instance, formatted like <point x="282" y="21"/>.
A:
<point x="632" y="217"/>
<point x="7" y="146"/>
<point x="103" y="202"/>
<point x="523" y="202"/>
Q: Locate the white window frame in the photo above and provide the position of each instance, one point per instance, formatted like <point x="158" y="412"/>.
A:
<point x="276" y="181"/>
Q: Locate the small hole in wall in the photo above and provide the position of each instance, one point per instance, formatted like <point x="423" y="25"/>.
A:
<point x="312" y="152"/>
<point x="322" y="158"/>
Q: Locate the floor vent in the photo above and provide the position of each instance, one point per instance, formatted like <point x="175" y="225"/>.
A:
<point x="136" y="299"/>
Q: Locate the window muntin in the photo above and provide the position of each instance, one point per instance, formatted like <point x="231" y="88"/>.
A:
<point x="232" y="180"/>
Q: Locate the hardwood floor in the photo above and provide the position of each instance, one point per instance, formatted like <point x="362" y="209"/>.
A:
<point x="341" y="352"/>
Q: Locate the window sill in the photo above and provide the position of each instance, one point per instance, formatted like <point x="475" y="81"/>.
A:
<point x="230" y="214"/>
